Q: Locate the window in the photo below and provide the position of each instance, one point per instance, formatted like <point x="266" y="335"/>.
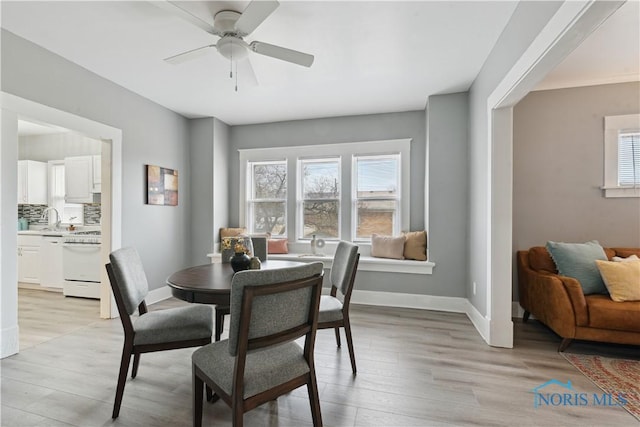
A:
<point x="629" y="158"/>
<point x="319" y="202"/>
<point x="70" y="213"/>
<point x="377" y="195"/>
<point x="622" y="156"/>
<point x="335" y="191"/>
<point x="267" y="203"/>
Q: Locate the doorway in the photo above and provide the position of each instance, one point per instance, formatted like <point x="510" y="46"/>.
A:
<point x="14" y="107"/>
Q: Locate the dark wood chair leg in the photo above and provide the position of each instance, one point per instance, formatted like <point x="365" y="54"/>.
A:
<point x="314" y="399"/>
<point x="525" y="316"/>
<point x="237" y="415"/>
<point x="337" y="331"/>
<point x="352" y="355"/>
<point x="136" y="362"/>
<point x="198" y="386"/>
<point x="564" y="344"/>
<point x="122" y="378"/>
<point x="220" y="313"/>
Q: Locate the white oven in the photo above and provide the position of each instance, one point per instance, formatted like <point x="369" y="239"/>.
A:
<point x="81" y="264"/>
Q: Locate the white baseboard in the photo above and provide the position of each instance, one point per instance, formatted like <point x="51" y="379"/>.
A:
<point x="9" y="342"/>
<point x="480" y="322"/>
<point x="424" y="302"/>
<point x="158" y="295"/>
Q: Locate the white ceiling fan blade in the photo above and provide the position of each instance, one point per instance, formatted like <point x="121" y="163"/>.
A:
<point x="188" y="55"/>
<point x="176" y="9"/>
<point x="254" y="15"/>
<point x="282" y="53"/>
<point x="246" y="73"/>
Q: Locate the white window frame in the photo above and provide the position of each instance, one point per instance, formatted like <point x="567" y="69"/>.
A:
<point x="58" y="202"/>
<point x="355" y="199"/>
<point x="613" y="127"/>
<point x="300" y="197"/>
<point x="344" y="150"/>
<point x="250" y="189"/>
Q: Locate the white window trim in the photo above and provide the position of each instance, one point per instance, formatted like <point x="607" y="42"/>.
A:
<point x="398" y="226"/>
<point x="613" y="125"/>
<point x="346" y="150"/>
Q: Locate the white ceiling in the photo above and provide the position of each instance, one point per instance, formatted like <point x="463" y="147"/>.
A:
<point x="370" y="56"/>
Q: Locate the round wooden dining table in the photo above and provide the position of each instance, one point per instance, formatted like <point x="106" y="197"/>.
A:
<point x="211" y="283"/>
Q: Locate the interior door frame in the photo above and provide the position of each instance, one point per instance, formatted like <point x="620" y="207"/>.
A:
<point x="111" y="198"/>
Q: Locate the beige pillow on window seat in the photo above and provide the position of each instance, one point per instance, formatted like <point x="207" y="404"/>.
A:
<point x="415" y="246"/>
<point x="231" y="232"/>
<point x="387" y="246"/>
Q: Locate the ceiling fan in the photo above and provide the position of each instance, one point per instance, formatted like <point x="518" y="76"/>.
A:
<point x="232" y="27"/>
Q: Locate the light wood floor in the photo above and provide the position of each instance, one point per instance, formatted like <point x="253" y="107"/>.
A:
<point x="415" y="368"/>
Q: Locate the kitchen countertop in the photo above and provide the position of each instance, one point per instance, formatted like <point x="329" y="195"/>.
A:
<point x="55" y="233"/>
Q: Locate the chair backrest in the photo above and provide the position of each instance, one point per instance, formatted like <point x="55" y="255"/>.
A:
<point x="130" y="277"/>
<point x="270" y="303"/>
<point x="260" y="247"/>
<point x="345" y="262"/>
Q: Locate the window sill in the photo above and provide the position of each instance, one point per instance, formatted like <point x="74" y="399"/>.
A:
<point x="614" y="192"/>
<point x="367" y="263"/>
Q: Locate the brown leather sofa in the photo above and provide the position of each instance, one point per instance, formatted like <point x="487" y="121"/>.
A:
<point x="558" y="302"/>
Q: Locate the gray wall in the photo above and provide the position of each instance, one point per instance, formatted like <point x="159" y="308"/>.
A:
<point x="558" y="160"/>
<point x="151" y="135"/>
<point x="447" y="235"/>
<point x="527" y="21"/>
<point x="209" y="139"/>
<point x="447" y="136"/>
<point x="57" y="146"/>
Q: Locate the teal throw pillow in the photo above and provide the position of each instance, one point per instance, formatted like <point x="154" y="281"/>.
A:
<point x="578" y="260"/>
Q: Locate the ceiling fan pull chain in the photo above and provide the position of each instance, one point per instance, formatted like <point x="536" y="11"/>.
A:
<point x="231" y="62"/>
<point x="236" y="76"/>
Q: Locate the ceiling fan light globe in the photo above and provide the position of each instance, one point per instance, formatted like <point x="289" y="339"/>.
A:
<point x="233" y="48"/>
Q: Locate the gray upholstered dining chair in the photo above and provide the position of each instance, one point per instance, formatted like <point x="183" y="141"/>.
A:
<point x="260" y="360"/>
<point x="333" y="312"/>
<point x="173" y="328"/>
<point x="260" y="251"/>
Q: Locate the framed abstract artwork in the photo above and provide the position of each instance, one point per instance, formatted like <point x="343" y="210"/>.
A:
<point x="162" y="186"/>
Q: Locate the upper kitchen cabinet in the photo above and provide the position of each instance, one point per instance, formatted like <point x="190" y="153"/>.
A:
<point x="32" y="182"/>
<point x="82" y="178"/>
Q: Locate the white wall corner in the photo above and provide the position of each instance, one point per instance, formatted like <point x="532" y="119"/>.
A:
<point x="9" y="342"/>
<point x="479" y="320"/>
<point x="158" y="295"/>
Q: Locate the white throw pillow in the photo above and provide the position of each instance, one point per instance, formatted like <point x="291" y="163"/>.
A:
<point x="387" y="246"/>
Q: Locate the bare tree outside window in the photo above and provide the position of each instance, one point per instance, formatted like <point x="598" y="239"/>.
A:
<point x="268" y="204"/>
<point x="320" y="198"/>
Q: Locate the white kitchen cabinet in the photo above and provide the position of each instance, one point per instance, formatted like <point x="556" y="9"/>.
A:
<point x="29" y="259"/>
<point x="51" y="262"/>
<point x="97" y="173"/>
<point x="79" y="181"/>
<point x="32" y="182"/>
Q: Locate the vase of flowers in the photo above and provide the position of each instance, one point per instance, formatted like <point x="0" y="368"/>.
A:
<point x="242" y="249"/>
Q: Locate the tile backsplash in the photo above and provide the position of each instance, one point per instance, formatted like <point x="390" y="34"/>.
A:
<point x="92" y="213"/>
<point x="33" y="213"/>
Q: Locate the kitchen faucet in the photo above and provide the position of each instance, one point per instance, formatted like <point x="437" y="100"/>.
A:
<point x="47" y="210"/>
